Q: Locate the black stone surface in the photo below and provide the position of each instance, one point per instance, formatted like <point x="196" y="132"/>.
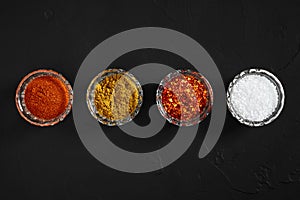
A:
<point x="247" y="163"/>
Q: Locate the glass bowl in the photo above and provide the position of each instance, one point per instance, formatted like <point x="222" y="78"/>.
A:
<point x="20" y="98"/>
<point x="280" y="93"/>
<point x="202" y="109"/>
<point x="111" y="100"/>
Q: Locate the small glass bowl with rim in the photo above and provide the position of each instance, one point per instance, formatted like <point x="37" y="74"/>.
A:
<point x="90" y="97"/>
<point x="181" y="122"/>
<point x="279" y="88"/>
<point x="20" y="98"/>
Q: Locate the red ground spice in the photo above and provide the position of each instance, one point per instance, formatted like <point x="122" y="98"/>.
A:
<point x="46" y="97"/>
<point x="184" y="97"/>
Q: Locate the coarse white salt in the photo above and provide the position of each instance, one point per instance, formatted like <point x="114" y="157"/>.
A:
<point x="254" y="97"/>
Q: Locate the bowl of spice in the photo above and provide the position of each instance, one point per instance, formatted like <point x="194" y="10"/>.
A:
<point x="114" y="97"/>
<point x="255" y="97"/>
<point x="44" y="97"/>
<point x="184" y="97"/>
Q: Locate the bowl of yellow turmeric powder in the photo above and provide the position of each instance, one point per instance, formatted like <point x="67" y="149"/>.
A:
<point x="114" y="97"/>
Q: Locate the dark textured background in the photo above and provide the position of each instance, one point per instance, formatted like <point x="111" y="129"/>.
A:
<point x="247" y="163"/>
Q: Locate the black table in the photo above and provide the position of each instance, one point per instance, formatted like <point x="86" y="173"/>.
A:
<point x="246" y="163"/>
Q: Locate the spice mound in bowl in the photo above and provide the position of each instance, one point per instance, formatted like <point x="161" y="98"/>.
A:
<point x="184" y="97"/>
<point x="114" y="97"/>
<point x="44" y="97"/>
<point x="255" y="97"/>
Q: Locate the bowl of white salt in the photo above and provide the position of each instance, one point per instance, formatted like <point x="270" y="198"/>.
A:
<point x="255" y="97"/>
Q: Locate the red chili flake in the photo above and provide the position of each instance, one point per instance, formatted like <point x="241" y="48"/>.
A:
<point x="184" y="97"/>
<point x="46" y="97"/>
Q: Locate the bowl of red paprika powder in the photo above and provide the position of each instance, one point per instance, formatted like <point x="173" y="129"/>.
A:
<point x="44" y="97"/>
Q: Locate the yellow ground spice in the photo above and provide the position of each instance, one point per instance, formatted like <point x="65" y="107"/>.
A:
<point x="116" y="97"/>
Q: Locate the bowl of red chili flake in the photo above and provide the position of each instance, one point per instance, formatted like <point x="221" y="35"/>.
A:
<point x="44" y="97"/>
<point x="184" y="97"/>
